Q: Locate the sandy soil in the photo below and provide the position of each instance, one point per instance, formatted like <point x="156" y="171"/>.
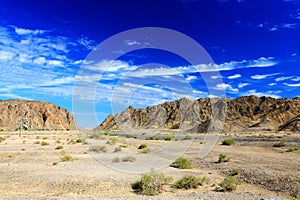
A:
<point x="29" y="170"/>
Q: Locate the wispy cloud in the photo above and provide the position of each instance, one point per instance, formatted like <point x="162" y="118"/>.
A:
<point x="234" y="76"/>
<point x="241" y="85"/>
<point x="260" y="94"/>
<point x="23" y="31"/>
<point x="263" y="76"/>
<point x="228" y="87"/>
<point x="292" y="84"/>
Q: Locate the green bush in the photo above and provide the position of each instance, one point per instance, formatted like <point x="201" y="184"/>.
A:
<point x="117" y="149"/>
<point x="235" y="171"/>
<point x="152" y="183"/>
<point x="66" y="158"/>
<point x="279" y="144"/>
<point x="2" y="139"/>
<point x="116" y="160"/>
<point x="169" y="137"/>
<point x="229" y="184"/>
<point x="228" y="142"/>
<point x="43" y="143"/>
<point x="128" y="159"/>
<point x="189" y="182"/>
<point x="293" y="149"/>
<point x="59" y="147"/>
<point x="182" y="163"/>
<point x="223" y="158"/>
<point x="187" y="137"/>
<point x="98" y="149"/>
<point x="142" y="146"/>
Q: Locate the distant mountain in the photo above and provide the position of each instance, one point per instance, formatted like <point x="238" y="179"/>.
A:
<point x="248" y="113"/>
<point x="34" y="115"/>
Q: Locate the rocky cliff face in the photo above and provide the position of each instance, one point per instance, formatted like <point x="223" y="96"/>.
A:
<point x="241" y="114"/>
<point x="34" y="115"/>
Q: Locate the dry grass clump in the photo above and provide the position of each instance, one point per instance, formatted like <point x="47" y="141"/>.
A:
<point x="182" y="163"/>
<point x="98" y="149"/>
<point x="189" y="181"/>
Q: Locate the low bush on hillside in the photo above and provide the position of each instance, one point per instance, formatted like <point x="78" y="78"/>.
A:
<point x="142" y="146"/>
<point x="59" y="147"/>
<point x="223" y="158"/>
<point x="279" y="144"/>
<point x="98" y="149"/>
<point x="182" y="163"/>
<point x="293" y="149"/>
<point x="2" y="139"/>
<point x="66" y="158"/>
<point x="189" y="182"/>
<point x="228" y="142"/>
<point x="229" y="184"/>
<point x="152" y="183"/>
<point x="128" y="159"/>
<point x="169" y="137"/>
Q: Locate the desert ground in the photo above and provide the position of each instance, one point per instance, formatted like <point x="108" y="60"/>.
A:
<point x="68" y="164"/>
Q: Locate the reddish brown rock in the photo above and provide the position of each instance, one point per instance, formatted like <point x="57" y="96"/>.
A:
<point x="241" y="114"/>
<point x="34" y="115"/>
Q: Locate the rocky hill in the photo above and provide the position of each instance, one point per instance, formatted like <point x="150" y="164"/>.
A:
<point x="248" y="113"/>
<point x="34" y="115"/>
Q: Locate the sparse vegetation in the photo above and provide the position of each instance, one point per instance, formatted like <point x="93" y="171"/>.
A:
<point x="187" y="137"/>
<point x="66" y="158"/>
<point x="98" y="149"/>
<point x="118" y="149"/>
<point x="37" y="142"/>
<point x="59" y="147"/>
<point x="142" y="146"/>
<point x="116" y="160"/>
<point x="228" y="142"/>
<point x="279" y="144"/>
<point x="112" y="141"/>
<point x="235" y="171"/>
<point x="223" y="158"/>
<point x="189" y="182"/>
<point x="229" y="184"/>
<point x="2" y="139"/>
<point x="152" y="183"/>
<point x="97" y="136"/>
<point x="293" y="149"/>
<point x="23" y="149"/>
<point x="128" y="159"/>
<point x="182" y="163"/>
<point x="11" y="155"/>
<point x="169" y="137"/>
<point x="43" y="143"/>
<point x="55" y="163"/>
<point x="146" y="150"/>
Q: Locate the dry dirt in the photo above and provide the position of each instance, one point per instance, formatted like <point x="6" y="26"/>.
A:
<point x="29" y="170"/>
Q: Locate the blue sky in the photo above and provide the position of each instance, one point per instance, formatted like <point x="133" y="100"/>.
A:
<point x="47" y="47"/>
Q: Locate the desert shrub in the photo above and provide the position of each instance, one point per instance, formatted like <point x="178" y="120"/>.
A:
<point x="169" y="137"/>
<point x="23" y="149"/>
<point x="235" y="171"/>
<point x="142" y="146"/>
<point x="187" y="137"/>
<point x="37" y="142"/>
<point x="128" y="159"/>
<point x="79" y="140"/>
<point x="66" y="158"/>
<point x="146" y="150"/>
<point x="58" y="141"/>
<point x="43" y="143"/>
<point x="54" y="163"/>
<point x="44" y="138"/>
<point x="112" y="141"/>
<point x="229" y="184"/>
<point x="2" y="139"/>
<point x="59" y="147"/>
<point x="152" y="183"/>
<point x="117" y="149"/>
<point x="98" y="149"/>
<point x="128" y="136"/>
<point x="105" y="133"/>
<point x="96" y="135"/>
<point x="228" y="142"/>
<point x="223" y="158"/>
<point x="189" y="182"/>
<point x="182" y="163"/>
<point x="116" y="160"/>
<point x="279" y="144"/>
<point x="11" y="155"/>
<point x="293" y="149"/>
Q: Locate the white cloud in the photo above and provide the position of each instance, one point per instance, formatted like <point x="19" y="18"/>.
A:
<point x="272" y="84"/>
<point x="189" y="78"/>
<point x="260" y="94"/>
<point x="216" y="77"/>
<point x="39" y="60"/>
<point x="6" y="55"/>
<point x="224" y="86"/>
<point x="282" y="78"/>
<point x="296" y="78"/>
<point x="292" y="85"/>
<point x="23" y="31"/>
<point x="234" y="76"/>
<point x="87" y="43"/>
<point x="55" y="62"/>
<point x="132" y="42"/>
<point x="263" y="76"/>
<point x="241" y="85"/>
<point x="164" y="71"/>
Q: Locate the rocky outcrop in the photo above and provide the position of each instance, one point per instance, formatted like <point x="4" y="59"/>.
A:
<point x="34" y="115"/>
<point x="211" y="114"/>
